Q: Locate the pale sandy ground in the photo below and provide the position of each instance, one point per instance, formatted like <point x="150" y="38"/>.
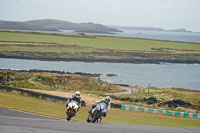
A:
<point x="88" y="98"/>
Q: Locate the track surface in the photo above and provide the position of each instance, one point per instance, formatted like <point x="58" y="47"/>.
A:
<point x="12" y="121"/>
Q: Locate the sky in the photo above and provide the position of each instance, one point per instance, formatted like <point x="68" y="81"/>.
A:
<point x="167" y="14"/>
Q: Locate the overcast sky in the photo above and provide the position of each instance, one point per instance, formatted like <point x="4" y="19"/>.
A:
<point x="167" y="14"/>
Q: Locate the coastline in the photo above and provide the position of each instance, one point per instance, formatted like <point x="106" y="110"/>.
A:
<point x="167" y="75"/>
<point x="104" y="60"/>
<point x="127" y="88"/>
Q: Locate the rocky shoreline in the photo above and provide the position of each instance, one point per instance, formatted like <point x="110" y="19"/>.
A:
<point x="61" y="72"/>
<point x="106" y="60"/>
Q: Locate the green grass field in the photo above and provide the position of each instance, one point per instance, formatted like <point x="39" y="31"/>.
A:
<point x="60" y="46"/>
<point x="100" y="42"/>
<point x="30" y="104"/>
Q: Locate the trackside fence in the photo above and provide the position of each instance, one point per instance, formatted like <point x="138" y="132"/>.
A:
<point x="38" y="94"/>
<point x="160" y="111"/>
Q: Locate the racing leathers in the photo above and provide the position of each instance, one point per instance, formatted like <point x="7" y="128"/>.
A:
<point x="74" y="98"/>
<point x="103" y="101"/>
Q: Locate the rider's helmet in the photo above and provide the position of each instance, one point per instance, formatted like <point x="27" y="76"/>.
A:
<point x="107" y="99"/>
<point x="77" y="94"/>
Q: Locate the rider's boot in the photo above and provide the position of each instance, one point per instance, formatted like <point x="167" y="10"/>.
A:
<point x="92" y="111"/>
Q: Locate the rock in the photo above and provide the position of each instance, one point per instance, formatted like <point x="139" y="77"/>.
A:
<point x="180" y="108"/>
<point x="176" y="103"/>
<point x="151" y="100"/>
<point x="111" y="75"/>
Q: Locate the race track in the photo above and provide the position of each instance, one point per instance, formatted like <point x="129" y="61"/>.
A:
<point x="12" y="121"/>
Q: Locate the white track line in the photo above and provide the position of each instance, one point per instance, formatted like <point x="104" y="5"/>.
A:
<point x="36" y="114"/>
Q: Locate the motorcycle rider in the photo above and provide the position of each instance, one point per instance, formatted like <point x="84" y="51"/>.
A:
<point x="106" y="100"/>
<point x="76" y="97"/>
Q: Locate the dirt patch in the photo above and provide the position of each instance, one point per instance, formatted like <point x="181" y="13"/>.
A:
<point x="88" y="98"/>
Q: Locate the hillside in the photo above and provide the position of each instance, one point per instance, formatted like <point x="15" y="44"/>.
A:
<point x="56" y="25"/>
<point x="137" y="28"/>
<point x="148" y="29"/>
<point x="51" y="81"/>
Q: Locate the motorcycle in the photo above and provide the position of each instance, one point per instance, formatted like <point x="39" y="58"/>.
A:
<point x="72" y="108"/>
<point x="97" y="115"/>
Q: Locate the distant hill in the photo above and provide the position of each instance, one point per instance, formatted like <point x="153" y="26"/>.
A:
<point x="56" y="25"/>
<point x="180" y="30"/>
<point x="147" y="29"/>
<point x="137" y="28"/>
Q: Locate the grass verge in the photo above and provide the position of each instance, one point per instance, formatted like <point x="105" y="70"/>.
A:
<point x="166" y="94"/>
<point x="30" y="104"/>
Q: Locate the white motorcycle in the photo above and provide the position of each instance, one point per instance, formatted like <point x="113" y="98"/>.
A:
<point x="72" y="108"/>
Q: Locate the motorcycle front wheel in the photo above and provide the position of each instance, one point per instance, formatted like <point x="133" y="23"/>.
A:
<point x="96" y="117"/>
<point x="70" y="115"/>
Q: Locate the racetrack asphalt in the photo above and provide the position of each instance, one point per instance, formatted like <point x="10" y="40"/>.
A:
<point x="13" y="121"/>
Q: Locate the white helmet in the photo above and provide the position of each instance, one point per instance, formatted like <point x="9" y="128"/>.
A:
<point x="77" y="93"/>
